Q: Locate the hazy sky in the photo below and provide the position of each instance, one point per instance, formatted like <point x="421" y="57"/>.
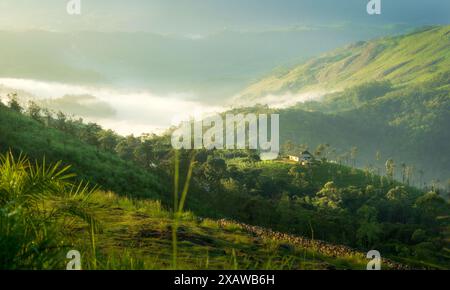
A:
<point x="180" y="76"/>
<point x="207" y="16"/>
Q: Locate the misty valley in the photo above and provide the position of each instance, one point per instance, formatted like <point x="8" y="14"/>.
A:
<point x="217" y="135"/>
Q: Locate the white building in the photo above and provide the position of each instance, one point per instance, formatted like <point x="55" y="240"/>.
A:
<point x="305" y="158"/>
<point x="294" y="158"/>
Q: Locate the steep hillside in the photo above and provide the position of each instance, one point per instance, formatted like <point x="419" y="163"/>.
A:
<point x="329" y="202"/>
<point x="41" y="138"/>
<point x="411" y="58"/>
<point x="138" y="235"/>
<point x="128" y="232"/>
<point x="389" y="98"/>
<point x="408" y="125"/>
<point x="45" y="214"/>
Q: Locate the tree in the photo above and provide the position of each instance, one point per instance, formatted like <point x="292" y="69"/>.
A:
<point x="34" y="111"/>
<point x="285" y="209"/>
<point x="398" y="193"/>
<point x="31" y="236"/>
<point x="354" y="154"/>
<point x="404" y="173"/>
<point x="332" y="153"/>
<point x="126" y="148"/>
<point x="202" y="156"/>
<point x="253" y="155"/>
<point x="214" y="170"/>
<point x="448" y="189"/>
<point x="288" y="147"/>
<point x="409" y="174"/>
<point x="321" y="151"/>
<point x="251" y="178"/>
<point x="346" y="157"/>
<point x="378" y="158"/>
<point x="61" y="119"/>
<point x="13" y="103"/>
<point x="107" y="140"/>
<point x="419" y="236"/>
<point x="369" y="231"/>
<point x="318" y="152"/>
<point x="421" y="175"/>
<point x="299" y="178"/>
<point x="432" y="206"/>
<point x="48" y="117"/>
<point x="144" y="151"/>
<point x="390" y="169"/>
<point x="90" y="134"/>
<point x="329" y="196"/>
<point x="61" y="124"/>
<point x="303" y="147"/>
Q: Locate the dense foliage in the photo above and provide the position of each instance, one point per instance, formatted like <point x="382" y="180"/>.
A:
<point x="91" y="150"/>
<point x="39" y="206"/>
<point x="389" y="96"/>
<point x="393" y="128"/>
<point x="364" y="209"/>
<point x="329" y="202"/>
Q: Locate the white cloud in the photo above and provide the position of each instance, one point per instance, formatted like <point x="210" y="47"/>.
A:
<point x="137" y="111"/>
<point x="281" y="101"/>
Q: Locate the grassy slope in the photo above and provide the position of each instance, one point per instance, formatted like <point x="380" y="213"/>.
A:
<point x="136" y="234"/>
<point x="135" y="230"/>
<point x="23" y="134"/>
<point x="413" y="58"/>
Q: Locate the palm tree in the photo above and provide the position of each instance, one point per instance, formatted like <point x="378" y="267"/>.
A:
<point x="13" y="103"/>
<point x="404" y="167"/>
<point x="36" y="202"/>
<point x="354" y="154"/>
<point x="421" y="174"/>
<point x="390" y="169"/>
<point x="378" y="158"/>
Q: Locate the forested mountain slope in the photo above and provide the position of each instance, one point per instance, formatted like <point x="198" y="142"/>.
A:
<point x="389" y="98"/>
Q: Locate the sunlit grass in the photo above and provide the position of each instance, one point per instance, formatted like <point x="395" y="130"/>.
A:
<point x="42" y="222"/>
<point x="179" y="202"/>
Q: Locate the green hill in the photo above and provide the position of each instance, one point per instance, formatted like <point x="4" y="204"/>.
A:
<point x="45" y="214"/>
<point x="411" y="58"/>
<point x="118" y="232"/>
<point x="402" y="119"/>
<point x="389" y="95"/>
<point x="326" y="202"/>
<point x="64" y="139"/>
